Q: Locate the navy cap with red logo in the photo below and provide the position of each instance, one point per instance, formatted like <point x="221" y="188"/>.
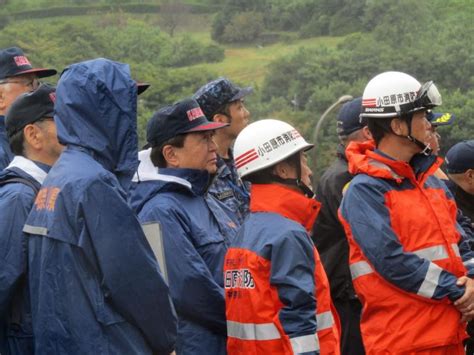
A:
<point x="30" y="107"/>
<point x="185" y="116"/>
<point x="13" y="62"/>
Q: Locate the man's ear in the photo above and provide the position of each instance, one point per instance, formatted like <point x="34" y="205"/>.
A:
<point x="469" y="174"/>
<point x="398" y="126"/>
<point x="366" y="133"/>
<point x="32" y="136"/>
<point x="282" y="169"/>
<point x="221" y="118"/>
<point x="169" y="153"/>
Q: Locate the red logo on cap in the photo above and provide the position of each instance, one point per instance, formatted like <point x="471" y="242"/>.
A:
<point x="21" y="60"/>
<point x="52" y="96"/>
<point x="194" y="113"/>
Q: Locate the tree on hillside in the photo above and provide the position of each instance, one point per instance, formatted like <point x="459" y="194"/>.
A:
<point x="172" y="14"/>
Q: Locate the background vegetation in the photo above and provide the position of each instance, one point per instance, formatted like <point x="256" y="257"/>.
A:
<point x="300" y="55"/>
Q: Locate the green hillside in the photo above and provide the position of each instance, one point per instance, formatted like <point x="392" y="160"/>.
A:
<point x="300" y="55"/>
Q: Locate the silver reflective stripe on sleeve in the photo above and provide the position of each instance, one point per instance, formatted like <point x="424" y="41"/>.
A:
<point x="360" y="268"/>
<point x="35" y="230"/>
<point x="430" y="282"/>
<point x="325" y="320"/>
<point x="252" y="331"/>
<point x="154" y="237"/>
<point x="456" y="249"/>
<point x="437" y="252"/>
<point x="305" y="344"/>
<point x="469" y="262"/>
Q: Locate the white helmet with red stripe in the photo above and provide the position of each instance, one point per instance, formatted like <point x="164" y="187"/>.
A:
<point x="265" y="143"/>
<point x="389" y="94"/>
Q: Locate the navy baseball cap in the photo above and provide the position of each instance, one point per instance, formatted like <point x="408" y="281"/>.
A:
<point x="440" y="119"/>
<point x="460" y="157"/>
<point x="30" y="107"/>
<point x="348" y="120"/>
<point x="217" y="93"/>
<point x="185" y="116"/>
<point x="13" y="62"/>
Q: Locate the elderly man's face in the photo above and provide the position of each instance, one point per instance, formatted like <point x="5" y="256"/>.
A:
<point x="11" y="88"/>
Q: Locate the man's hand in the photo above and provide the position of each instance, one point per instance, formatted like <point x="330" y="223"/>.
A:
<point x="465" y="304"/>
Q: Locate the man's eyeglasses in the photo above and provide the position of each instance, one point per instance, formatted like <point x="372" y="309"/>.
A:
<point x="32" y="83"/>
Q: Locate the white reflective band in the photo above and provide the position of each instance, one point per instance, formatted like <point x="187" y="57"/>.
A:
<point x="469" y="262"/>
<point x="383" y="166"/>
<point x="360" y="268"/>
<point x="155" y="239"/>
<point x="456" y="249"/>
<point x="325" y="320"/>
<point x="437" y="252"/>
<point x="35" y="230"/>
<point x="305" y="344"/>
<point x="252" y="331"/>
<point x="430" y="283"/>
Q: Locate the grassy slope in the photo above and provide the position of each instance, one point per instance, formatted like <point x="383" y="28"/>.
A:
<point x="249" y="63"/>
<point x="245" y="63"/>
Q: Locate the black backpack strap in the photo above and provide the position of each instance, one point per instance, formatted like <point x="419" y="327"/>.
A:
<point x="21" y="181"/>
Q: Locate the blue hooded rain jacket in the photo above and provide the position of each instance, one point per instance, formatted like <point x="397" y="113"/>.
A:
<point x="95" y="284"/>
<point x="16" y="200"/>
<point x="6" y="154"/>
<point x="196" y="236"/>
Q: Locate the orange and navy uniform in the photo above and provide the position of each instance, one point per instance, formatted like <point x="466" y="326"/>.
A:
<point x="406" y="252"/>
<point x="277" y="293"/>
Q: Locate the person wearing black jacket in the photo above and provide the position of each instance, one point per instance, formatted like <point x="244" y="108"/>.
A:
<point x="460" y="169"/>
<point x="328" y="233"/>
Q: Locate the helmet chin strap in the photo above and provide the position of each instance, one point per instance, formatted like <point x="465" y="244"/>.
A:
<point x="296" y="182"/>
<point x="425" y="147"/>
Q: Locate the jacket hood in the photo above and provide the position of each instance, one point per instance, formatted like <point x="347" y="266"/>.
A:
<point x="363" y="158"/>
<point x="185" y="181"/>
<point x="286" y="202"/>
<point x="96" y="108"/>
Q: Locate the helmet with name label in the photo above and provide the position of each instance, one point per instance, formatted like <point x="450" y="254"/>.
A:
<point x="265" y="143"/>
<point x="396" y="94"/>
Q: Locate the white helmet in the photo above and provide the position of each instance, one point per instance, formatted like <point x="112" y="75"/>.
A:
<point x="265" y="143"/>
<point x="393" y="94"/>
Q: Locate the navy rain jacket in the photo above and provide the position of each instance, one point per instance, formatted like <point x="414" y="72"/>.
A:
<point x="6" y="154"/>
<point x="95" y="284"/>
<point x="16" y="200"/>
<point x="196" y="236"/>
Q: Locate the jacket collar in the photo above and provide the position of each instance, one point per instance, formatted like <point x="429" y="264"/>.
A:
<point x="364" y="158"/>
<point x="28" y="167"/>
<point x="286" y="202"/>
<point x="196" y="181"/>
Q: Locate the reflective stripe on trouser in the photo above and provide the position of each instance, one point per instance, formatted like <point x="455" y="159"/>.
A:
<point x="325" y="320"/>
<point x="305" y="343"/>
<point x="252" y="331"/>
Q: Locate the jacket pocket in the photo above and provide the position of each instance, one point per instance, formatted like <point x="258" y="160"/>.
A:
<point x="106" y="315"/>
